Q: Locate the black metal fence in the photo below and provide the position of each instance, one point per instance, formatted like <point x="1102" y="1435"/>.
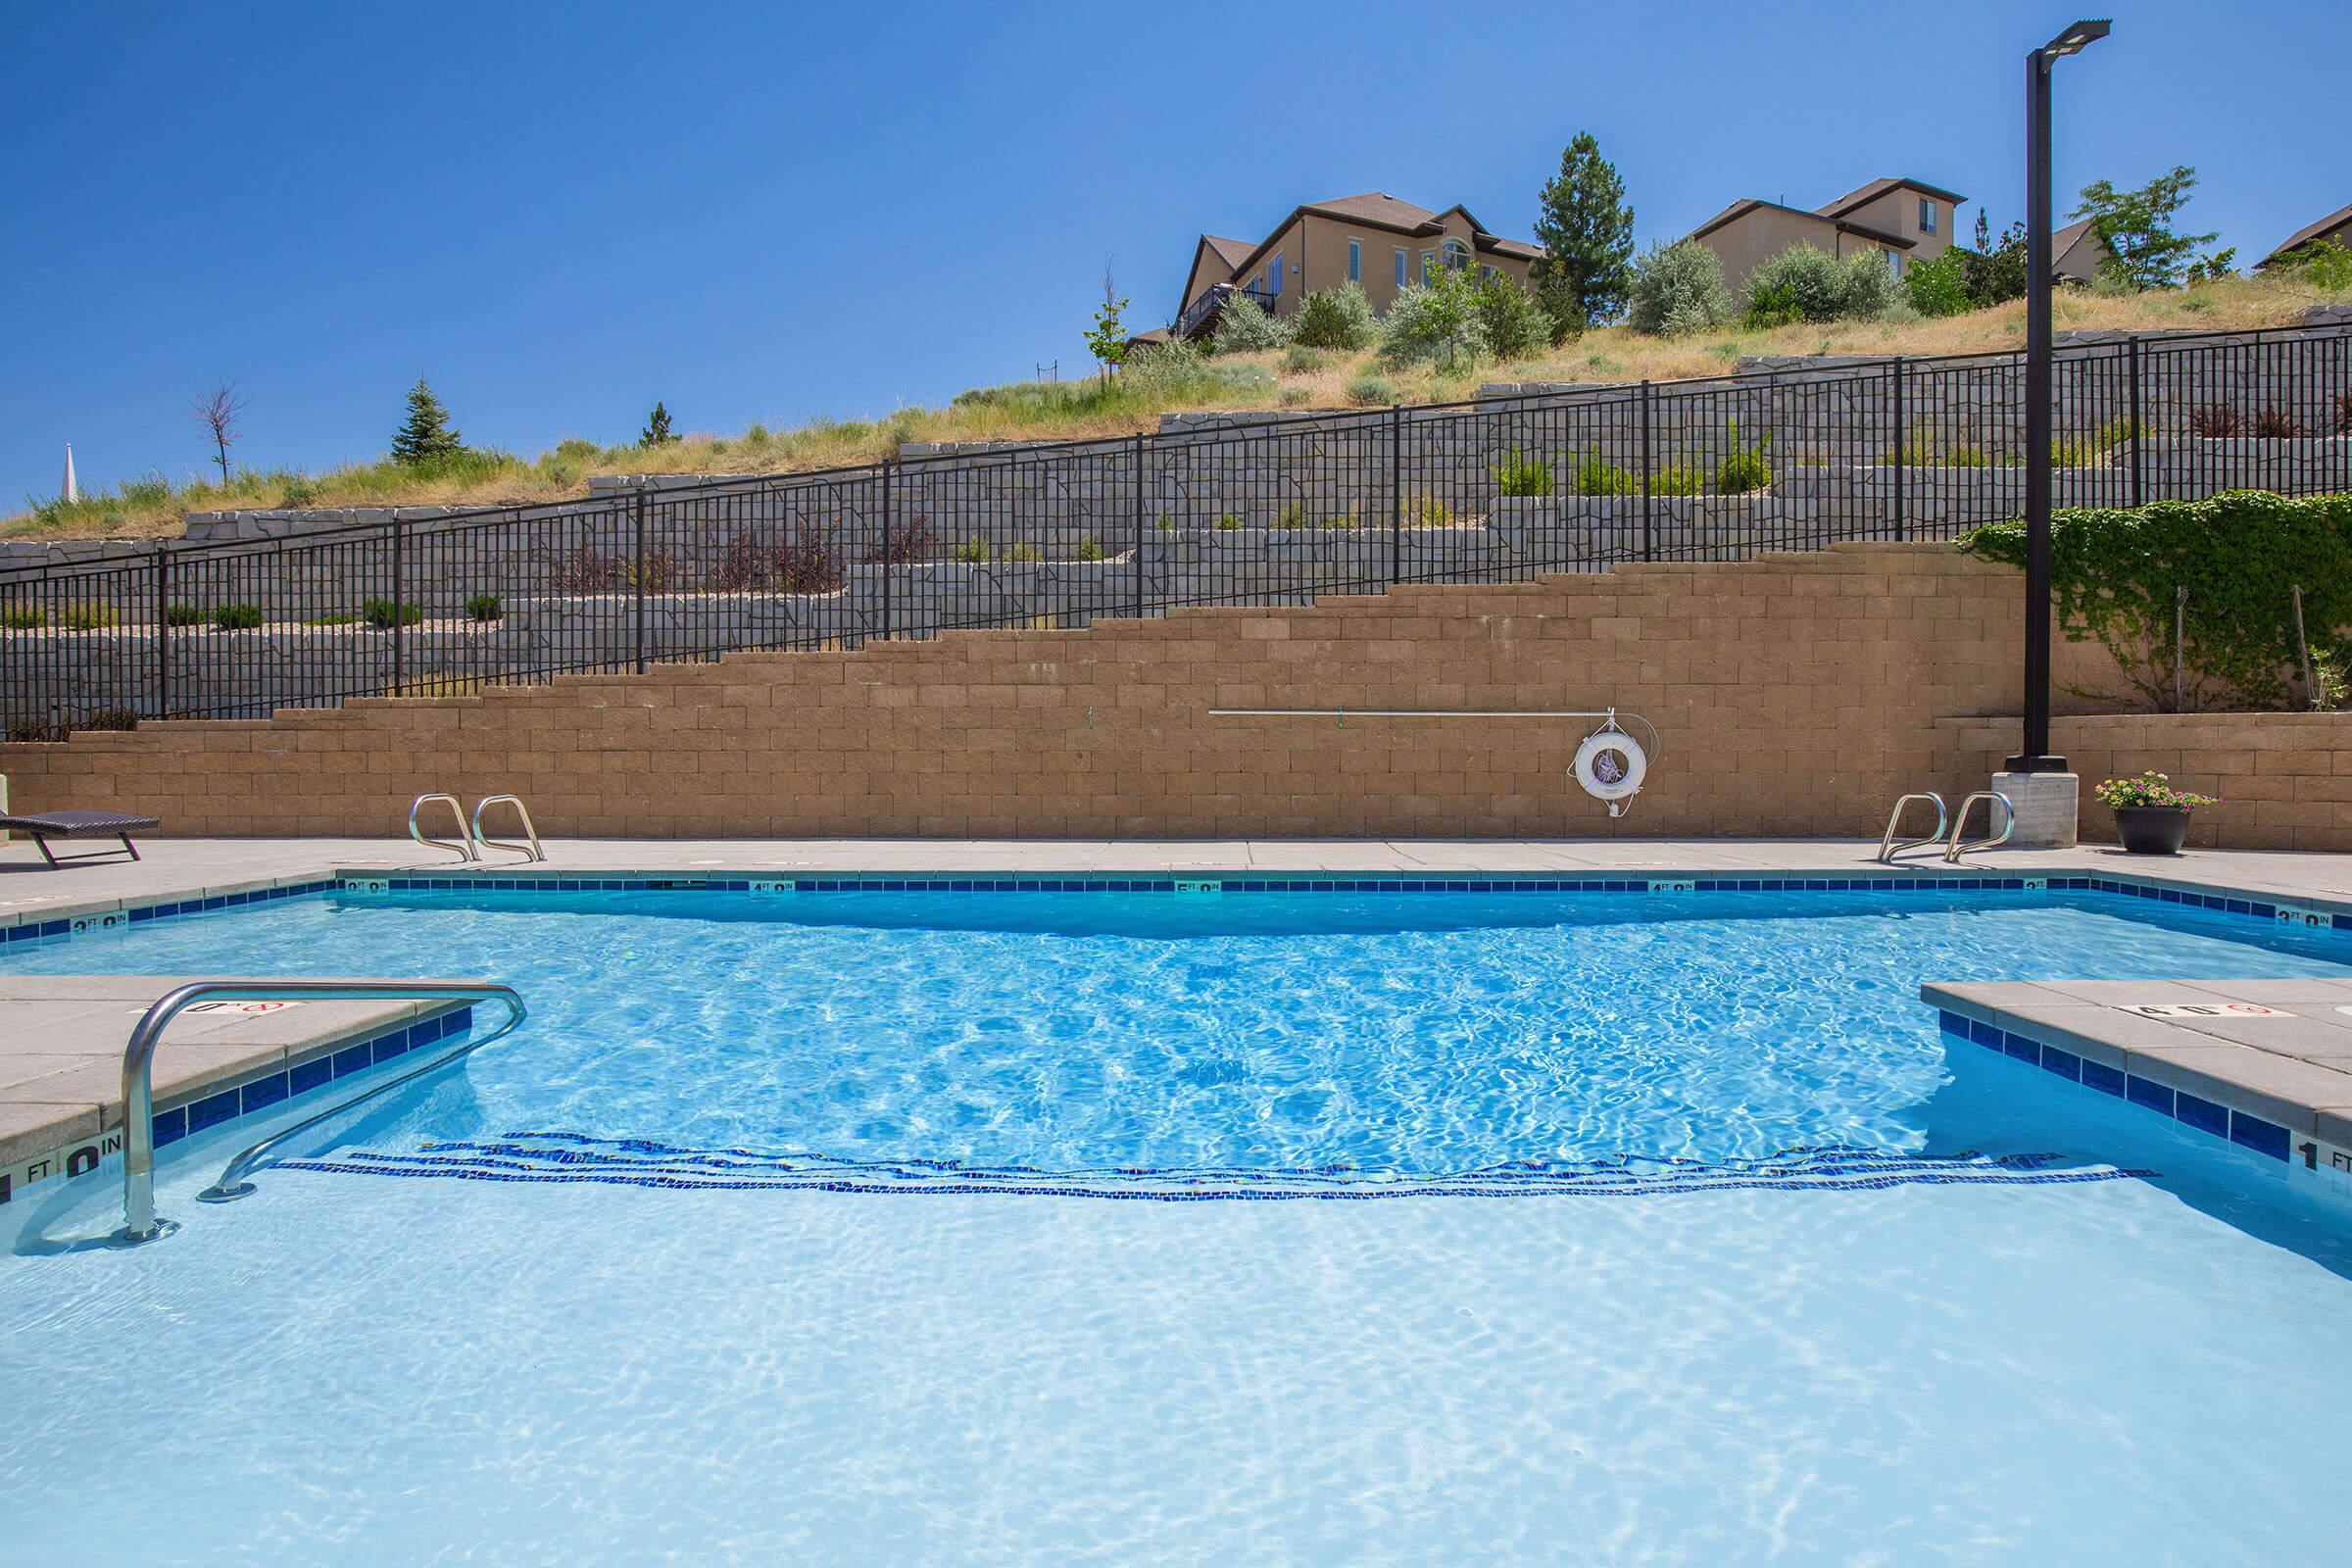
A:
<point x="1228" y="510"/>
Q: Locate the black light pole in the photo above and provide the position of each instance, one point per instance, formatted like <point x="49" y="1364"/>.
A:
<point x="2036" y="757"/>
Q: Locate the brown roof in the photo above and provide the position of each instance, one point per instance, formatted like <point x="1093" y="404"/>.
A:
<point x="1879" y="187"/>
<point x="1378" y="209"/>
<point x="1740" y="208"/>
<point x="2311" y="232"/>
<point x="1228" y="251"/>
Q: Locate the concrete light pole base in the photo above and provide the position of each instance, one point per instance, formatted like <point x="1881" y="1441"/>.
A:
<point x="2046" y="807"/>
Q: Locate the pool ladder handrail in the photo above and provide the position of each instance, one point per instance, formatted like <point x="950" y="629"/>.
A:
<point x="531" y="851"/>
<point x="140" y="1223"/>
<point x="1889" y="848"/>
<point x="1992" y="799"/>
<point x="463" y="850"/>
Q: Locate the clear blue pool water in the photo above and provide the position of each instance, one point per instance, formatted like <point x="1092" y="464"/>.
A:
<point x="1663" y="1367"/>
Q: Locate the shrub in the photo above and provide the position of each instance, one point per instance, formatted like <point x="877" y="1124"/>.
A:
<point x="2215" y="422"/>
<point x="1021" y="551"/>
<point x="2275" y="425"/>
<point x="1801" y="284"/>
<point x="1515" y="325"/>
<point x="1344" y="519"/>
<point x="1677" y="479"/>
<point x="298" y="491"/>
<point x="1089" y="549"/>
<point x="2343" y="414"/>
<point x="23" y="617"/>
<point x="1369" y="388"/>
<point x="184" y="616"/>
<point x="1227" y="523"/>
<point x="1868" y="289"/>
<point x="1293" y="515"/>
<point x="803" y="566"/>
<point x="1437" y="322"/>
<point x="1243" y="327"/>
<point x="1746" y="468"/>
<point x="1519" y="475"/>
<point x="237" y="617"/>
<point x="384" y="613"/>
<point x="971" y="553"/>
<point x="1679" y="288"/>
<point x="582" y="571"/>
<point x="1296" y="397"/>
<point x="1939" y="287"/>
<point x="111" y="719"/>
<point x="1428" y="511"/>
<point x="484" y="607"/>
<point x="912" y="540"/>
<point x="1300" y="359"/>
<point x="1595" y="476"/>
<point x="658" y="573"/>
<point x="1961" y="458"/>
<point x="2151" y="787"/>
<point x="2324" y="264"/>
<point x="1337" y="318"/>
<point x="86" y="618"/>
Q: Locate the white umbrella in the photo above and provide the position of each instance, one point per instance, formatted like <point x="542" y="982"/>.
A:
<point x="72" y="490"/>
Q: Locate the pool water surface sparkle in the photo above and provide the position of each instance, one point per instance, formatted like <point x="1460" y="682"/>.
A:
<point x="1609" y="1229"/>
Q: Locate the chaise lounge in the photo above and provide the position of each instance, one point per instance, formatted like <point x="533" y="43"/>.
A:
<point x="47" y="825"/>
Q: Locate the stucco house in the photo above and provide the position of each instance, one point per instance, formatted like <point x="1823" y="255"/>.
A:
<point x="2075" y="251"/>
<point x="1908" y="220"/>
<point x="1374" y="240"/>
<point x="2337" y="226"/>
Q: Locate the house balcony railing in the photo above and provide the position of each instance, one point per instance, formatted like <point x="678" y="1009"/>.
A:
<point x="1199" y="316"/>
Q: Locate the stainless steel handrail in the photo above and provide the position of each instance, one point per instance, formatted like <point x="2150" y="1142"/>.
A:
<point x="464" y="851"/>
<point x="1889" y="848"/>
<point x="140" y="1220"/>
<point x="530" y="851"/>
<point x="1992" y="798"/>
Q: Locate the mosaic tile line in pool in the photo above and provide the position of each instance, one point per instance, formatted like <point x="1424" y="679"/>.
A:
<point x="2177" y="1104"/>
<point x="2231" y="902"/>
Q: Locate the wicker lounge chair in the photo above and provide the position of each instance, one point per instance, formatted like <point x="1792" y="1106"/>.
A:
<point x="47" y="825"/>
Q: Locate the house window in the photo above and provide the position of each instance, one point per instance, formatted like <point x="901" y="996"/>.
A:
<point x="1457" y="255"/>
<point x="1927" y="216"/>
<point x="1277" y="271"/>
<point x="1894" y="263"/>
<point x="1355" y="261"/>
<point x="1402" y="263"/>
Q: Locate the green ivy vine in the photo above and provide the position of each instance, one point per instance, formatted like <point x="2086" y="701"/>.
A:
<point x="2116" y="575"/>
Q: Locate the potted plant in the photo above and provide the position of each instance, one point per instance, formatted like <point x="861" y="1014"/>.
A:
<point x="2152" y="817"/>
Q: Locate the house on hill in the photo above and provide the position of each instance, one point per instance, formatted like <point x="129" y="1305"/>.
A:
<point x="1374" y="240"/>
<point x="2337" y="226"/>
<point x="1908" y="220"/>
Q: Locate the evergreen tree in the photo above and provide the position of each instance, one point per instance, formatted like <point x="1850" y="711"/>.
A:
<point x="424" y="436"/>
<point x="656" y="432"/>
<point x="1587" y="232"/>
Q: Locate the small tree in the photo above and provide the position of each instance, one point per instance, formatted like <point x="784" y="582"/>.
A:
<point x="1337" y="318"/>
<point x="656" y="431"/>
<point x="1514" y="323"/>
<point x="1587" y="232"/>
<point x="424" y="436"/>
<point x="1243" y="327"/>
<point x="219" y="409"/>
<point x="1436" y="322"/>
<point x="1939" y="287"/>
<point x="2143" y="250"/>
<point x="1106" y="340"/>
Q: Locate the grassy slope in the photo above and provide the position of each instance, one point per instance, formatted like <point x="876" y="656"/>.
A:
<point x="152" y="508"/>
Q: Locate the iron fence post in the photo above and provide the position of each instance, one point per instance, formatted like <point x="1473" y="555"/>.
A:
<point x="1396" y="493"/>
<point x="2139" y="436"/>
<point x="1140" y="535"/>
<point x="890" y="565"/>
<point x="637" y="574"/>
<point x="1649" y="543"/>
<point x="1903" y="530"/>
<point x="400" y="641"/>
<point x="163" y="633"/>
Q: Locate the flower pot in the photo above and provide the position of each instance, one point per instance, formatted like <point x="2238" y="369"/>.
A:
<point x="2151" y="829"/>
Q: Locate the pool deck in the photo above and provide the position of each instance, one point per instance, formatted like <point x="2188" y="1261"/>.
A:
<point x="2279" y="1051"/>
<point x="61" y="1040"/>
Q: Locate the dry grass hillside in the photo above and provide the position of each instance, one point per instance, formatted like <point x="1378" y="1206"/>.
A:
<point x="153" y="508"/>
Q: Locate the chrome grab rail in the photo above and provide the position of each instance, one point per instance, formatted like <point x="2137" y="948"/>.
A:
<point x="464" y="850"/>
<point x="530" y="851"/>
<point x="1992" y="798"/>
<point x="1889" y="848"/>
<point x="140" y="1220"/>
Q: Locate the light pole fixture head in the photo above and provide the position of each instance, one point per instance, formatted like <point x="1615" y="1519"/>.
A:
<point x="2077" y="38"/>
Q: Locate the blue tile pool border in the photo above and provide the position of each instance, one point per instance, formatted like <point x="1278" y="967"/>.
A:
<point x="2211" y="1117"/>
<point x="52" y="927"/>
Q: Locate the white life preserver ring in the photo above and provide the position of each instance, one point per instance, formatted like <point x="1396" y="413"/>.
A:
<point x="1610" y="764"/>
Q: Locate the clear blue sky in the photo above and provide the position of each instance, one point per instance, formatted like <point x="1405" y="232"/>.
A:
<point x="560" y="213"/>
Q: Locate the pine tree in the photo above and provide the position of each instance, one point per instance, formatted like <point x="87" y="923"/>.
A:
<point x="656" y="432"/>
<point x="1587" y="232"/>
<point x="424" y="436"/>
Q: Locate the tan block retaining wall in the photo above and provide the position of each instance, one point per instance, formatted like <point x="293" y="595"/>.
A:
<point x="1798" y="693"/>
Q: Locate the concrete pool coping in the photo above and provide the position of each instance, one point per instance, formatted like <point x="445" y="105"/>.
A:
<point x="57" y="1068"/>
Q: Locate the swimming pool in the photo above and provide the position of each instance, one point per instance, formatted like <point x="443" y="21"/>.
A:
<point x="885" y="1227"/>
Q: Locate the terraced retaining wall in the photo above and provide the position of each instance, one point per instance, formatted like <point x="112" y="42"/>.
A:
<point x="1796" y="694"/>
